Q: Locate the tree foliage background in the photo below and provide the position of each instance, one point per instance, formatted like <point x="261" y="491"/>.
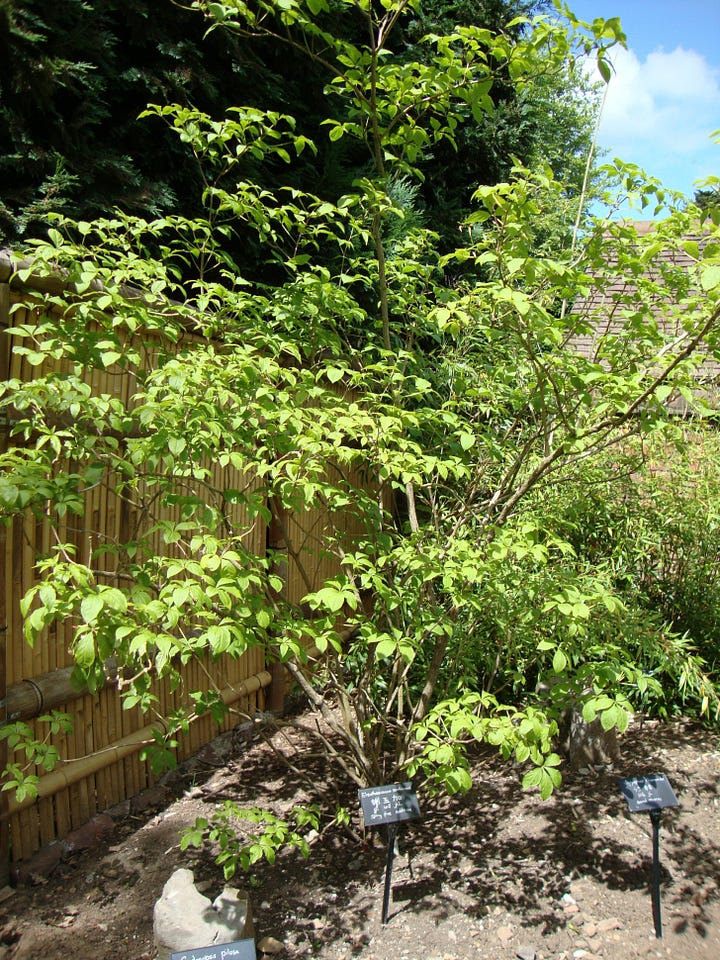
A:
<point x="75" y="76"/>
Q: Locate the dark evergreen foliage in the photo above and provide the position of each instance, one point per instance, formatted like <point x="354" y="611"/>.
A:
<point x="75" y="75"/>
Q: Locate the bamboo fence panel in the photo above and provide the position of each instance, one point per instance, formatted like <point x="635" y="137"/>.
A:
<point x="99" y="721"/>
<point x="312" y="558"/>
<point x="101" y="763"/>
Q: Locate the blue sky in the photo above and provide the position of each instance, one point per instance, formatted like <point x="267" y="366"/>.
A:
<point x="664" y="100"/>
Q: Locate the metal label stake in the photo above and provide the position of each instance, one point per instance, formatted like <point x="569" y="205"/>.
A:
<point x="651" y="794"/>
<point x="657" y="915"/>
<point x="390" y="805"/>
<point x="392" y="832"/>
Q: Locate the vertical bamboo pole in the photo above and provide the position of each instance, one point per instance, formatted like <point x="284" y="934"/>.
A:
<point x="109" y="699"/>
<point x="276" y="542"/>
<point x="79" y="800"/>
<point x="195" y="681"/>
<point x="62" y="813"/>
<point x="16" y="555"/>
<point x="102" y="777"/>
<point x="46" y="818"/>
<point x="84" y="797"/>
<point x="129" y="764"/>
<point x="101" y="534"/>
<point x="109" y="696"/>
<point x="68" y="532"/>
<point x="25" y="838"/>
<point x="59" y="648"/>
<point x="42" y="548"/>
<point x="4" y="826"/>
<point x="12" y="664"/>
<point x="15" y="363"/>
<point x="89" y="747"/>
<point x="126" y="521"/>
<point x="262" y="698"/>
<point x="26" y="577"/>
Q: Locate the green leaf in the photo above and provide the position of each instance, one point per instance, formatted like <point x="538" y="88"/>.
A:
<point x="589" y="712"/>
<point x="114" y="599"/>
<point x="551" y="779"/>
<point x="559" y="661"/>
<point x="609" y="718"/>
<point x="623" y="719"/>
<point x="458" y="781"/>
<point x="710" y="277"/>
<point x="330" y="597"/>
<point x="91" y="606"/>
<point x="84" y="650"/>
<point x="605" y="69"/>
<point x="532" y="778"/>
<point x="386" y="647"/>
<point x="176" y="445"/>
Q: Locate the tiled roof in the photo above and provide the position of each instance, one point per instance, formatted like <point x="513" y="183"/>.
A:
<point x="614" y="295"/>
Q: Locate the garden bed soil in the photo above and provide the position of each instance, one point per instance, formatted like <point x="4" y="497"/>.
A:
<point x="498" y="873"/>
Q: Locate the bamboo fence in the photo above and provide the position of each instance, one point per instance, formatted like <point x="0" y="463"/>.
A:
<point x="100" y="759"/>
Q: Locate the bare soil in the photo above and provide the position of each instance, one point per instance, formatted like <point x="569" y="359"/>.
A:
<point x="498" y="873"/>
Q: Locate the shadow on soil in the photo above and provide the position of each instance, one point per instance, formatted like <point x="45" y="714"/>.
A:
<point x="496" y="847"/>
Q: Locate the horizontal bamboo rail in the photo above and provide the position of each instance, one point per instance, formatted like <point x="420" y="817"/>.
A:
<point x="32" y="696"/>
<point x="56" y="283"/>
<point x="75" y="770"/>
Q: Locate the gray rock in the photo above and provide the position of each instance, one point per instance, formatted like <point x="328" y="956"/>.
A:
<point x="234" y="915"/>
<point x="183" y="918"/>
<point x="525" y="952"/>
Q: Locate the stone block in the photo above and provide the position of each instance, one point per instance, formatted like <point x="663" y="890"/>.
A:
<point x="184" y="918"/>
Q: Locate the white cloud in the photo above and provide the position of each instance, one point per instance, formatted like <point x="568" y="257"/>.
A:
<point x="669" y="102"/>
<point x="682" y="75"/>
